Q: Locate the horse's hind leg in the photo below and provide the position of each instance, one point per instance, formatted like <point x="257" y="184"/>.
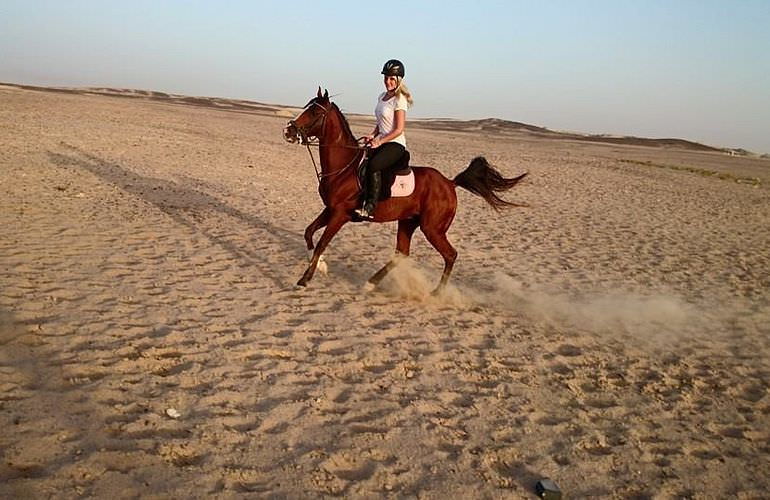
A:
<point x="406" y="229"/>
<point x="440" y="242"/>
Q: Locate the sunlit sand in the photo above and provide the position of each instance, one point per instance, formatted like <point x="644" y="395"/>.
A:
<point x="612" y="336"/>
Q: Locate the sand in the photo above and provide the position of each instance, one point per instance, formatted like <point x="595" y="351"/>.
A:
<point x="613" y="336"/>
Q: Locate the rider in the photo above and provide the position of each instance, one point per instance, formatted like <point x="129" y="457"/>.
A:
<point x="387" y="141"/>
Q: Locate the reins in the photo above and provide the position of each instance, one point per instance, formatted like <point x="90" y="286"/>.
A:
<point x="309" y="142"/>
<point x="319" y="174"/>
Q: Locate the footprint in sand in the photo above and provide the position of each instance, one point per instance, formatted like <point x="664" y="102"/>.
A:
<point x="349" y="467"/>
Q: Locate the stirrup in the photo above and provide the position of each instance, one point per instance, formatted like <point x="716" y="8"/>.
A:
<point x="362" y="214"/>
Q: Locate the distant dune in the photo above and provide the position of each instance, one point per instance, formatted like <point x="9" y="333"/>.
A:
<point x="486" y="125"/>
<point x="499" y="126"/>
<point x="208" y="102"/>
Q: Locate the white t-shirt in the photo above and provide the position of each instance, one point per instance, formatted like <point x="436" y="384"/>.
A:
<point x="385" y="114"/>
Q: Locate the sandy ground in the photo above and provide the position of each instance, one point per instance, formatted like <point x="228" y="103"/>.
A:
<point x="613" y="336"/>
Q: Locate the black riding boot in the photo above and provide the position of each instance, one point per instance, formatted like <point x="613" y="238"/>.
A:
<point x="372" y="192"/>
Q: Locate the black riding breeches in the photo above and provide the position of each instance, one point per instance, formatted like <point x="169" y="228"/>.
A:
<point x="385" y="156"/>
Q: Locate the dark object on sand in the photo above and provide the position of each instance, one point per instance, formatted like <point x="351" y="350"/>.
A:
<point x="547" y="489"/>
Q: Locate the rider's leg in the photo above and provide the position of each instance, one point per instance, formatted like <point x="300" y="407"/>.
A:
<point x="374" y="185"/>
<point x="365" y="182"/>
<point x="384" y="157"/>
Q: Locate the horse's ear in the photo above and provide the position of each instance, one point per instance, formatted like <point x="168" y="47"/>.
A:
<point x="319" y="91"/>
<point x="326" y="94"/>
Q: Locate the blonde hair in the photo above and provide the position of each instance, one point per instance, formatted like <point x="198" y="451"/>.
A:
<point x="402" y="89"/>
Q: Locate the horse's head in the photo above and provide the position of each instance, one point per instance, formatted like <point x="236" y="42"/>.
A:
<point x="310" y="122"/>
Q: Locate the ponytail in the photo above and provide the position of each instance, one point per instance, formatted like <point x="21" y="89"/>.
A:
<point x="403" y="90"/>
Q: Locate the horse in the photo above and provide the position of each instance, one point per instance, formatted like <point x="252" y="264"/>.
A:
<point x="431" y="206"/>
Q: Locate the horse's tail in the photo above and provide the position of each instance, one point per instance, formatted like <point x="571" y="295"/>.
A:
<point x="481" y="179"/>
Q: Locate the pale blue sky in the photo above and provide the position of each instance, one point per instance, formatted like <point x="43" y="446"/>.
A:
<point x="698" y="70"/>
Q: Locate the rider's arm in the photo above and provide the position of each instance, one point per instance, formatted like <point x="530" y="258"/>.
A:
<point x="399" y="117"/>
<point x="370" y="137"/>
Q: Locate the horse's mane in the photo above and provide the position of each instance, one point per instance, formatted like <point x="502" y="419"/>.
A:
<point x="345" y="124"/>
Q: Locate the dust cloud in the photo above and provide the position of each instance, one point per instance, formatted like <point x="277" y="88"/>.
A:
<point x="655" y="317"/>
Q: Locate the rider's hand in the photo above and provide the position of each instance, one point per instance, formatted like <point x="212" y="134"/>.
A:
<point x="375" y="143"/>
<point x="368" y="138"/>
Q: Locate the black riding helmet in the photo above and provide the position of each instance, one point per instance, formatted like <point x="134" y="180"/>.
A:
<point x="394" y="67"/>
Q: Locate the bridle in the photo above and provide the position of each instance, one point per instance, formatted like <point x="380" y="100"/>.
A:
<point x="302" y="132"/>
<point x="311" y="140"/>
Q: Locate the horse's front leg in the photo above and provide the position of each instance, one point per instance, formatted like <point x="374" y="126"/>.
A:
<point x="318" y="223"/>
<point x="335" y="223"/>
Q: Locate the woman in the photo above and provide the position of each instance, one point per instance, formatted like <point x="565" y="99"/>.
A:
<point x="387" y="141"/>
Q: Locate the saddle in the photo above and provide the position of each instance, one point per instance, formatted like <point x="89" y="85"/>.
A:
<point x="397" y="180"/>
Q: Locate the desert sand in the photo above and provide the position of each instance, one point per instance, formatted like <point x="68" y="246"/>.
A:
<point x="612" y="336"/>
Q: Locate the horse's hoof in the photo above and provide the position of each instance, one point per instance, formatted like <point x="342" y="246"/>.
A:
<point x="369" y="286"/>
<point x="302" y="283"/>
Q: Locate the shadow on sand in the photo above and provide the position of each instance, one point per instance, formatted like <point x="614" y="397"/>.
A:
<point x="188" y="206"/>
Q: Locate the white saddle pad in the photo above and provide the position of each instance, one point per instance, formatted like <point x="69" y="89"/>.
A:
<point x="403" y="185"/>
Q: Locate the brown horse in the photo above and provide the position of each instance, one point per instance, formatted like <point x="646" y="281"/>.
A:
<point x="431" y="206"/>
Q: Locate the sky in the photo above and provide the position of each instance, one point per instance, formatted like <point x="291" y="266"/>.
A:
<point x="697" y="70"/>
